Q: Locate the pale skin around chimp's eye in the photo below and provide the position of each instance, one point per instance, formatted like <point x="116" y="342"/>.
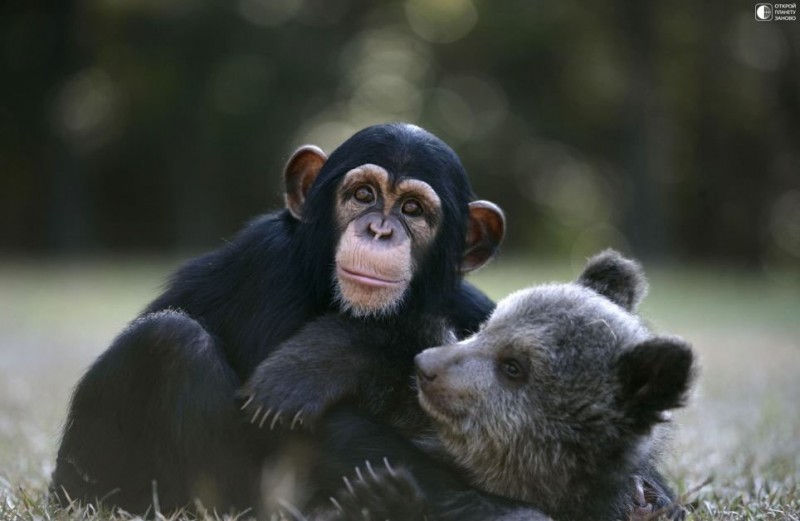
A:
<point x="412" y="208"/>
<point x="364" y="194"/>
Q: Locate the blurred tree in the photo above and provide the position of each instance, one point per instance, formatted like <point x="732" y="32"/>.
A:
<point x="668" y="128"/>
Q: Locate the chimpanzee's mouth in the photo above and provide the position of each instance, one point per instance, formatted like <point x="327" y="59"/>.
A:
<point x="367" y="279"/>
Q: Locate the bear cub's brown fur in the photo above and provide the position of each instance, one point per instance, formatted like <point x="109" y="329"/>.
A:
<point x="563" y="394"/>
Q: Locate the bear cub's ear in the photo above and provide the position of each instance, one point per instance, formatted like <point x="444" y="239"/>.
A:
<point x="620" y="280"/>
<point x="654" y="376"/>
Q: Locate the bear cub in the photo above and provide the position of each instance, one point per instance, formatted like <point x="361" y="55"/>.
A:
<point x="559" y="402"/>
<point x="562" y="396"/>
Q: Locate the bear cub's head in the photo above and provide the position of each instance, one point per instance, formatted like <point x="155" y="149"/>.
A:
<point x="555" y="401"/>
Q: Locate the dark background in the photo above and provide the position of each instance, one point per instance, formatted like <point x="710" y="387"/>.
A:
<point x="670" y="129"/>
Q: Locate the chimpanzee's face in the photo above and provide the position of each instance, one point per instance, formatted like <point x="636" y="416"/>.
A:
<point x="385" y="230"/>
<point x="389" y="220"/>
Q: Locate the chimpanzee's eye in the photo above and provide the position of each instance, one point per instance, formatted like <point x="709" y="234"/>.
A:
<point x="512" y="368"/>
<point x="412" y="208"/>
<point x="364" y="194"/>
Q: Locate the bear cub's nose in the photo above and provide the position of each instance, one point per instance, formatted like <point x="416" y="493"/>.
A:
<point x="425" y="373"/>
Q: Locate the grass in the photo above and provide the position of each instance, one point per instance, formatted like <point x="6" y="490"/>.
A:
<point x="736" y="453"/>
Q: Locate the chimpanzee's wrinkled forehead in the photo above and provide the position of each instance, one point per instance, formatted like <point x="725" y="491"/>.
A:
<point x="404" y="151"/>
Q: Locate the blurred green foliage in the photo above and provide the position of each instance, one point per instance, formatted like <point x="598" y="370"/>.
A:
<point x="670" y="129"/>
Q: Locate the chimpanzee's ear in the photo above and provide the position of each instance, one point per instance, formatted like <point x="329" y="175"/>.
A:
<point x="654" y="376"/>
<point x="485" y="231"/>
<point x="620" y="280"/>
<point x="299" y="174"/>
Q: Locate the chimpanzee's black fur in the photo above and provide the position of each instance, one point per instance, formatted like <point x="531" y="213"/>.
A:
<point x="158" y="408"/>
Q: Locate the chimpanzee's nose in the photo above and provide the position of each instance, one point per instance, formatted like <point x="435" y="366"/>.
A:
<point x="380" y="230"/>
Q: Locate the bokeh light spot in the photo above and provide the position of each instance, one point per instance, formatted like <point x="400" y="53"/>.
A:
<point x="442" y="21"/>
<point x="85" y="108"/>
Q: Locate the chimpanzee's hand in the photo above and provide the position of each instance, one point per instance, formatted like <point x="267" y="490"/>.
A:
<point x="652" y="502"/>
<point x="284" y="394"/>
<point x="379" y="494"/>
<point x="317" y="368"/>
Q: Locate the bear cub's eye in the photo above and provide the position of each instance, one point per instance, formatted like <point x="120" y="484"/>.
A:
<point x="512" y="368"/>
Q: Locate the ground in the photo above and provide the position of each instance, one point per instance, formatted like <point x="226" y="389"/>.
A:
<point x="736" y="454"/>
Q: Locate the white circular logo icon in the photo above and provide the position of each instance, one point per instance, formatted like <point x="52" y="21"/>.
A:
<point x="763" y="12"/>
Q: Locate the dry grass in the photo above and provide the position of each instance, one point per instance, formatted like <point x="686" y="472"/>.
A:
<point x="737" y="453"/>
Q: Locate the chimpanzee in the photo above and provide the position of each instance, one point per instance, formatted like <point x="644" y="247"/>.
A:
<point x="381" y="232"/>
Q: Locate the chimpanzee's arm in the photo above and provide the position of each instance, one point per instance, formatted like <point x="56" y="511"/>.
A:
<point x="332" y="360"/>
<point x="336" y="357"/>
<point x="323" y="364"/>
